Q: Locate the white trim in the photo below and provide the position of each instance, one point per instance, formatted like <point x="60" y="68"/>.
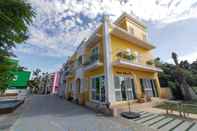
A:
<point x="130" y="89"/>
<point x="93" y="65"/>
<point x="92" y="100"/>
<point x="135" y="66"/>
<point x="109" y="83"/>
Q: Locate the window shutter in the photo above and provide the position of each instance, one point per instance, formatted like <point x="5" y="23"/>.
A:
<point x="153" y="88"/>
<point x="133" y="88"/>
<point x="142" y="85"/>
<point x="117" y="82"/>
<point x="155" y="85"/>
<point x="118" y="95"/>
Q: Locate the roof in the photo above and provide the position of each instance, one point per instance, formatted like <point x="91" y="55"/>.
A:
<point x="132" y="18"/>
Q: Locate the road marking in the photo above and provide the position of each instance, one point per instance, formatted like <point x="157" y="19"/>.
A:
<point x="153" y="120"/>
<point x="147" y="118"/>
<point x="57" y="125"/>
<point x="171" y="125"/>
<point x="143" y="116"/>
<point x="183" y="126"/>
<point x="158" y="124"/>
<point x="194" y="128"/>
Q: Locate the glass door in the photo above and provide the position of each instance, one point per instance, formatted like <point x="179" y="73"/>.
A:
<point x="98" y="89"/>
<point x="124" y="88"/>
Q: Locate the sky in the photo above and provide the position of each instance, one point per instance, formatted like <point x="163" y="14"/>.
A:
<point x="60" y="26"/>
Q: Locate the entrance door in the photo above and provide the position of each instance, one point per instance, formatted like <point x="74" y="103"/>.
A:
<point x="124" y="88"/>
<point x="78" y="87"/>
<point x="149" y="87"/>
<point x="98" y="89"/>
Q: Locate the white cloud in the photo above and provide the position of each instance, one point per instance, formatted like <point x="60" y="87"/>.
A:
<point x="189" y="57"/>
<point x="56" y="28"/>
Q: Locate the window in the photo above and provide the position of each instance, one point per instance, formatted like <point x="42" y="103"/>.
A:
<point x="124" y="88"/>
<point x="79" y="60"/>
<point x="144" y="37"/>
<point x="149" y="87"/>
<point x="95" y="54"/>
<point x="131" y="30"/>
<point x="98" y="89"/>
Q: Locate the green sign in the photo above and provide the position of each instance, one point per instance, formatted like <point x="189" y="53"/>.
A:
<point x="20" y="80"/>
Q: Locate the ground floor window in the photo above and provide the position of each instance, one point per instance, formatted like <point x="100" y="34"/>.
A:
<point x="124" y="88"/>
<point x="149" y="87"/>
<point x="98" y="89"/>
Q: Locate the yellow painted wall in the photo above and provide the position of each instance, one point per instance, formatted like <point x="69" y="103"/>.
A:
<point x="69" y="92"/>
<point x="94" y="72"/>
<point x="98" y="44"/>
<point x="138" y="30"/>
<point x="88" y="75"/>
<point x="137" y="75"/>
<point x="117" y="44"/>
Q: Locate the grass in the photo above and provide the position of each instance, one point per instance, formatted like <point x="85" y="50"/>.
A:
<point x="195" y="88"/>
<point x="189" y="106"/>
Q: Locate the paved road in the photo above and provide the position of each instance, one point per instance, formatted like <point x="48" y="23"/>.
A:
<point x="50" y="113"/>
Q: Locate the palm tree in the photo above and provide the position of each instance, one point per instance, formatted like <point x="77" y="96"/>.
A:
<point x="180" y="78"/>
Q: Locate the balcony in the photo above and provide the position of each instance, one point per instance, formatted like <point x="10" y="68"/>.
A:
<point x="125" y="35"/>
<point x="126" y="60"/>
<point x="92" y="62"/>
<point x="69" y="73"/>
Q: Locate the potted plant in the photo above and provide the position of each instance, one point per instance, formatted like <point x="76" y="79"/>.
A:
<point x="150" y="62"/>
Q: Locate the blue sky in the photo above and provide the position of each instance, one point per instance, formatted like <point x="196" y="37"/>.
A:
<point x="60" y="25"/>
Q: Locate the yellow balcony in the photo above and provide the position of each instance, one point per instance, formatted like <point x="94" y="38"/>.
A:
<point x="92" y="62"/>
<point x="130" y="61"/>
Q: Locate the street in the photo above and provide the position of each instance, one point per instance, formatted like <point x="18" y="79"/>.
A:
<point x="50" y="113"/>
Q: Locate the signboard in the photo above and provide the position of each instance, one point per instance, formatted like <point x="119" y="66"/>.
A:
<point x="20" y="80"/>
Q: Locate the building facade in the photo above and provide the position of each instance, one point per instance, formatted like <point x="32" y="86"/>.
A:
<point x="114" y="65"/>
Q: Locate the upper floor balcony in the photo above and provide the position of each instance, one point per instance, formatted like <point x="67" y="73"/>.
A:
<point x="92" y="62"/>
<point x="130" y="60"/>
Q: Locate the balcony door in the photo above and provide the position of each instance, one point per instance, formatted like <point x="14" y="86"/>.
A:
<point x="149" y="87"/>
<point x="124" y="88"/>
<point x="98" y="89"/>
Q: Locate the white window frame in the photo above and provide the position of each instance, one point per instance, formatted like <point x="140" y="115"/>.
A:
<point x="95" y="48"/>
<point x="91" y="88"/>
<point x="147" y="86"/>
<point x="128" y="89"/>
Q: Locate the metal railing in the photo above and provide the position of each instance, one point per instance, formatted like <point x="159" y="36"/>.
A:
<point x="183" y="109"/>
<point x="91" y="59"/>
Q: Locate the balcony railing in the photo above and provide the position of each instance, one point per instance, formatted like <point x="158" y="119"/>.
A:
<point x="91" y="59"/>
<point x="132" y="58"/>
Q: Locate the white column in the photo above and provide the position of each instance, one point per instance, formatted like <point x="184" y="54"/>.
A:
<point x="109" y="83"/>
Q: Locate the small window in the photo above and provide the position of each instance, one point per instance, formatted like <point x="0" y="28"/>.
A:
<point x="144" y="37"/>
<point x="95" y="54"/>
<point x="80" y="60"/>
<point x="131" y="30"/>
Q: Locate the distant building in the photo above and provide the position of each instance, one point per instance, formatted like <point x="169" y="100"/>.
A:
<point x="19" y="84"/>
<point x="55" y="82"/>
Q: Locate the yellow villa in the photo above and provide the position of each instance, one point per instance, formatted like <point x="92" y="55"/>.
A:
<point x="113" y="65"/>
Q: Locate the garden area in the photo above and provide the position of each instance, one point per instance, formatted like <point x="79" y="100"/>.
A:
<point x="179" y="106"/>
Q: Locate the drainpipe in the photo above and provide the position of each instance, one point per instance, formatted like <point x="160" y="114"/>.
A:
<point x="109" y="84"/>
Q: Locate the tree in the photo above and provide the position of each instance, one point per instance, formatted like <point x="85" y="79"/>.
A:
<point x="36" y="79"/>
<point x="15" y="16"/>
<point x="180" y="78"/>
